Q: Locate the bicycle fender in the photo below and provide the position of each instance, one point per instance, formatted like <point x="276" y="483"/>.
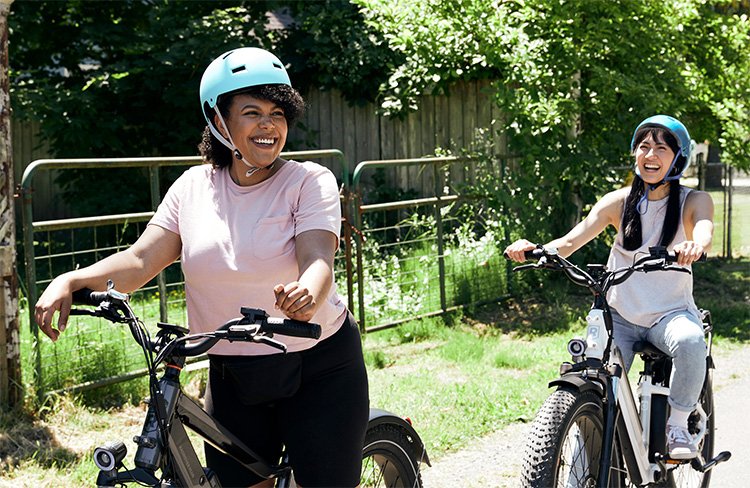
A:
<point x="378" y="417"/>
<point x="580" y="384"/>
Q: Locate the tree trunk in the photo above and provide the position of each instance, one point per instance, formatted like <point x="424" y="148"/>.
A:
<point x="11" y="391"/>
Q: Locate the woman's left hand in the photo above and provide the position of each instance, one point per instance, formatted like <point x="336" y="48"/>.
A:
<point x="295" y="301"/>
<point x="688" y="252"/>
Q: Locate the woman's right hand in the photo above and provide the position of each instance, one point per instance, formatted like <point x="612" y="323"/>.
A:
<point x="516" y="251"/>
<point x="58" y="297"/>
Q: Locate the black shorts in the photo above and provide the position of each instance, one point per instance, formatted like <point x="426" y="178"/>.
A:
<point x="314" y="402"/>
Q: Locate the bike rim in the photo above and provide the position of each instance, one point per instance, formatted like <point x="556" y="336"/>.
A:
<point x="381" y="470"/>
<point x="580" y="452"/>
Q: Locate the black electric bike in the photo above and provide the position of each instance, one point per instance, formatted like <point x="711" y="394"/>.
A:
<point x="593" y="431"/>
<point x="165" y="457"/>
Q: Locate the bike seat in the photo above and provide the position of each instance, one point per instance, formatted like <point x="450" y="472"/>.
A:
<point x="645" y="348"/>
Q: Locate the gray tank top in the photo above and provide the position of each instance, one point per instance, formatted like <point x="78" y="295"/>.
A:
<point x="645" y="298"/>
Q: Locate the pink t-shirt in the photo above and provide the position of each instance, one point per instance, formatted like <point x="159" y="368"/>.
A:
<point x="238" y="242"/>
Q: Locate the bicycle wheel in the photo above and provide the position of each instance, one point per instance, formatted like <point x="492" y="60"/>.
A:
<point x="565" y="443"/>
<point x="685" y="475"/>
<point x="389" y="460"/>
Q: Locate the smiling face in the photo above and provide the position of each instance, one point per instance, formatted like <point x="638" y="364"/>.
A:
<point x="653" y="157"/>
<point x="258" y="128"/>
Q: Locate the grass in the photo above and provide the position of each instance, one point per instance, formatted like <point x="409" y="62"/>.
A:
<point x="458" y="377"/>
<point x="90" y="349"/>
<point x="740" y="234"/>
<point x="461" y="383"/>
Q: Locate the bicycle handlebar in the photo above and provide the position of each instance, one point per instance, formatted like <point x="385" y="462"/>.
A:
<point x="85" y="296"/>
<point x="657" y="259"/>
<point x="292" y="328"/>
<point x="255" y="325"/>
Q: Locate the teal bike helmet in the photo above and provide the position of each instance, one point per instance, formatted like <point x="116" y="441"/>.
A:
<point x="233" y="71"/>
<point x="679" y="131"/>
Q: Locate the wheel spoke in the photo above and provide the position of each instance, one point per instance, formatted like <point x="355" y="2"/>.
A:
<point x="389" y="460"/>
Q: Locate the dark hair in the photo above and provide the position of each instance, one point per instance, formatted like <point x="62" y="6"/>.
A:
<point x="286" y="97"/>
<point x="631" y="219"/>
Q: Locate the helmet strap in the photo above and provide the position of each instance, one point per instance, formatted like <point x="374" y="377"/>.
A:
<point x="671" y="166"/>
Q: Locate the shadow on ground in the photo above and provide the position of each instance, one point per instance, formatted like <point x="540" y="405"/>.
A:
<point x="721" y="286"/>
<point x="23" y="438"/>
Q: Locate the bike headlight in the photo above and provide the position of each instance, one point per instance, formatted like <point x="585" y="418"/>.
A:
<point x="109" y="456"/>
<point x="576" y="347"/>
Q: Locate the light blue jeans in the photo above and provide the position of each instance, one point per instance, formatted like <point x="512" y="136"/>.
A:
<point x="679" y="334"/>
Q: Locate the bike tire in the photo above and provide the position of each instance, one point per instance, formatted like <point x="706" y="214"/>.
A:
<point x="565" y="416"/>
<point x="685" y="476"/>
<point x="389" y="459"/>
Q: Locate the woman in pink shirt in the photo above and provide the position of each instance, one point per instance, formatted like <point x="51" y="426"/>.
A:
<point x="253" y="229"/>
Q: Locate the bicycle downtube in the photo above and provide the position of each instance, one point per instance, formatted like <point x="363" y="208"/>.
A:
<point x="608" y="439"/>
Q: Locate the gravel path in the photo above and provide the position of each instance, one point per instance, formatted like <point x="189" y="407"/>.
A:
<point x="495" y="460"/>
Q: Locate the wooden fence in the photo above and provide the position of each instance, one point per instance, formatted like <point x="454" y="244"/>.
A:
<point x="445" y="121"/>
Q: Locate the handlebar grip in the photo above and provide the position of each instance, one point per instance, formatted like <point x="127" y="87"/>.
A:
<point x="531" y="254"/>
<point x="293" y="328"/>
<point x="671" y="257"/>
<point x="86" y="296"/>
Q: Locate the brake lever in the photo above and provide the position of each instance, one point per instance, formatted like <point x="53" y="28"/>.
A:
<point x="111" y="312"/>
<point x="264" y="339"/>
<point x="241" y="332"/>
<point x="670" y="267"/>
<point x="543" y="263"/>
<point x="526" y="266"/>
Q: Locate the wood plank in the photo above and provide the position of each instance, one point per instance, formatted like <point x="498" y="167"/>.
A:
<point x="427" y="110"/>
<point x="456" y="127"/>
<point x="349" y="118"/>
<point x="362" y="143"/>
<point x="387" y="138"/>
<point x="414" y="131"/>
<point x="442" y="122"/>
<point x="336" y="124"/>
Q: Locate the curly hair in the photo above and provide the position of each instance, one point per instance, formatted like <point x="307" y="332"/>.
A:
<point x="286" y="97"/>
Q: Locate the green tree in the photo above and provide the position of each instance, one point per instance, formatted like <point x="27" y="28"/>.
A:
<point x="574" y="77"/>
<point x="116" y="79"/>
<point x="120" y="79"/>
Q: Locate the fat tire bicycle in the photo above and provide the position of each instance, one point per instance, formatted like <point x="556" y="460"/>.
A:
<point x="592" y="431"/>
<point x="165" y="457"/>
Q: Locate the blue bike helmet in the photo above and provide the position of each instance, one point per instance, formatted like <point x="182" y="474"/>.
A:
<point x="679" y="131"/>
<point x="231" y="72"/>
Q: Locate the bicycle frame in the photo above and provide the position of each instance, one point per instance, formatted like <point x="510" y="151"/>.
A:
<point x="180" y="411"/>
<point x="164" y="443"/>
<point x="636" y="426"/>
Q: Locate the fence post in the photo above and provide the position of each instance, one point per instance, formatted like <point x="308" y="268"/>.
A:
<point x="728" y="222"/>
<point x="11" y="393"/>
<point x="161" y="280"/>
<point x="439" y="182"/>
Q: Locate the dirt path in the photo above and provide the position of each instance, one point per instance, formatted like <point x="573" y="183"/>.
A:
<point x="495" y="460"/>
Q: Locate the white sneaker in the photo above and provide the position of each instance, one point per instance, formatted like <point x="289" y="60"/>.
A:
<point x="680" y="443"/>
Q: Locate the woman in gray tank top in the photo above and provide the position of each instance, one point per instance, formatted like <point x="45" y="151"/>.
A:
<point x="657" y="307"/>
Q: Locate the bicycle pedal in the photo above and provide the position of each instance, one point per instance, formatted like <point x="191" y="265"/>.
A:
<point x="719" y="458"/>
